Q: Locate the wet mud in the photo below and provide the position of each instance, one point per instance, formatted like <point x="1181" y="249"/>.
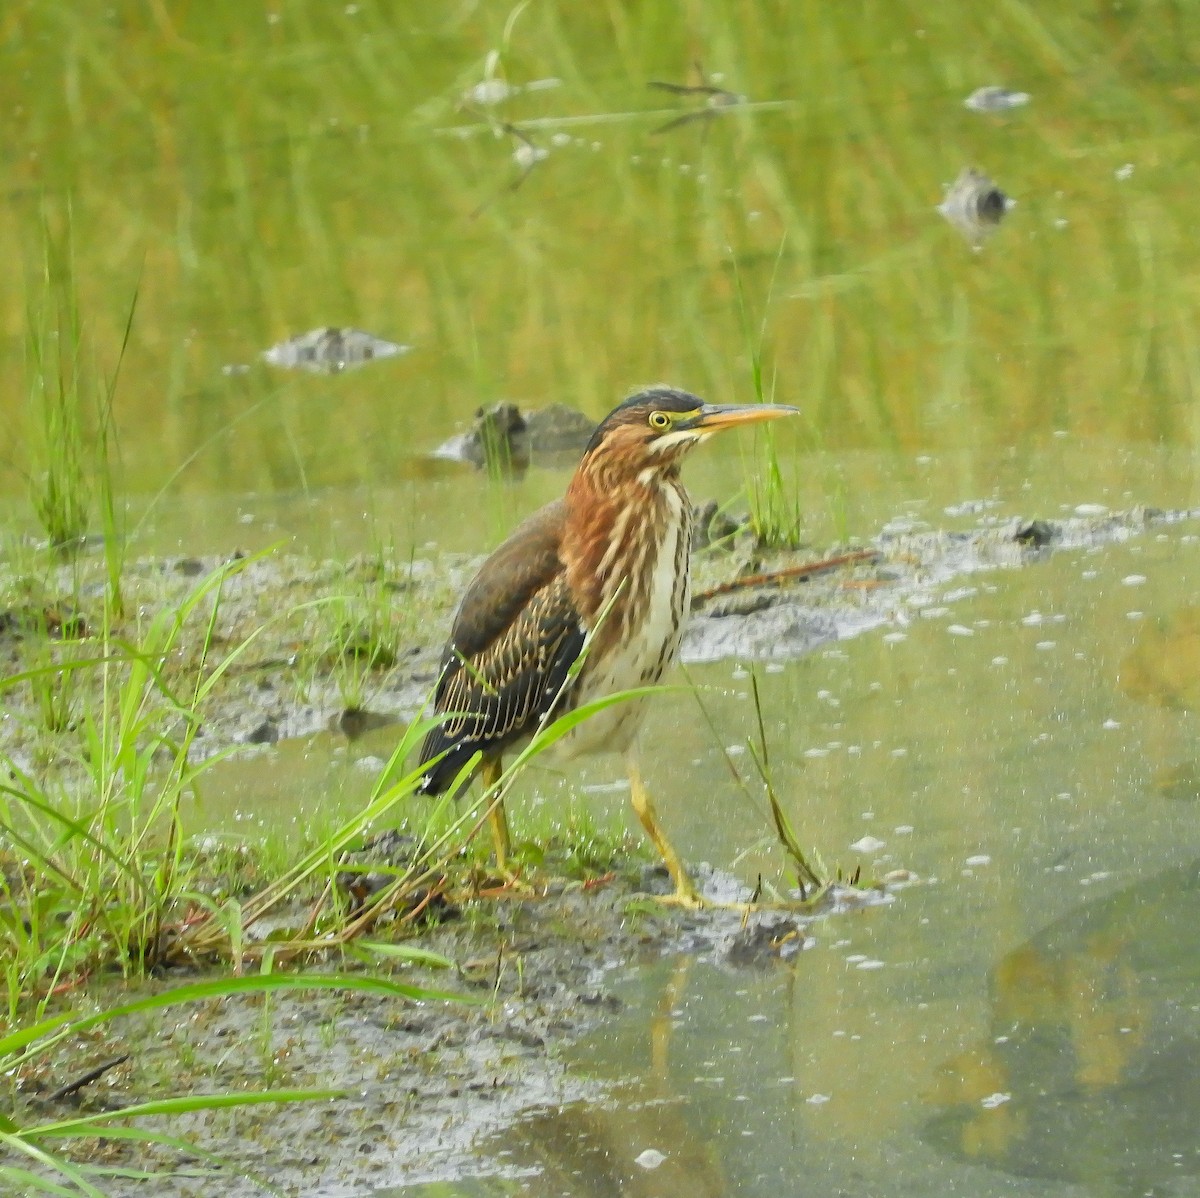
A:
<point x="423" y="1082"/>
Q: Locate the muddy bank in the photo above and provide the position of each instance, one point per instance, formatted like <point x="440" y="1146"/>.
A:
<point x="425" y="1082"/>
<point x="296" y="676"/>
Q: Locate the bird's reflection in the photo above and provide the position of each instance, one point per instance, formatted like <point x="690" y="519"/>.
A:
<point x="1092" y="1067"/>
<point x="1164" y="664"/>
<point x="1163" y="670"/>
<point x="643" y="1141"/>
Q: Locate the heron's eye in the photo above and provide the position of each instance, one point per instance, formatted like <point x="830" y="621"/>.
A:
<point x="660" y="420"/>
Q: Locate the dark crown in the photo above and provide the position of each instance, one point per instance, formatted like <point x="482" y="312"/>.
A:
<point x="652" y="399"/>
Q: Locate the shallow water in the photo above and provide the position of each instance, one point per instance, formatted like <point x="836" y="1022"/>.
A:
<point x="1020" y="1021"/>
<point x="255" y="175"/>
<point x="1024" y="1019"/>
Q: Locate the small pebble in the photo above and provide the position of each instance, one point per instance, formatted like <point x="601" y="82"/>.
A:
<point x="995" y="99"/>
<point x="868" y="844"/>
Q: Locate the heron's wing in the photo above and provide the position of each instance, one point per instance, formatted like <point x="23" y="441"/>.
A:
<point x="501" y="693"/>
<point x="506" y="584"/>
<point x="515" y="638"/>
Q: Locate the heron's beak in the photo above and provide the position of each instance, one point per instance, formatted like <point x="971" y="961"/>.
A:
<point x="713" y="418"/>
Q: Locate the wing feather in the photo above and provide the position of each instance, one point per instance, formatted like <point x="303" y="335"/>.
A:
<point x="515" y="637"/>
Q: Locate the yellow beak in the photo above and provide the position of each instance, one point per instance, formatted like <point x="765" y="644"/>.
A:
<point x="714" y="417"/>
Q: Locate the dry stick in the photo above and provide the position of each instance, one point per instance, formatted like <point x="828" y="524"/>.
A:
<point x="307" y="943"/>
<point x="90" y="1076"/>
<point x="303" y="945"/>
<point x="433" y="892"/>
<point x="771" y="576"/>
<point x="401" y="887"/>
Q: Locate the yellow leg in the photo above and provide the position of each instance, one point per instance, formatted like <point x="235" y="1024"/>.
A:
<point x="497" y="817"/>
<point x="686" y="894"/>
<point x="663" y="1025"/>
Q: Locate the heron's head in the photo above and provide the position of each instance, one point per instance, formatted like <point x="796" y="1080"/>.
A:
<point x="653" y="429"/>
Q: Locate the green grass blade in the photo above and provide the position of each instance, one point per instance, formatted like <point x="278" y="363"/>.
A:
<point x="95" y="1124"/>
<point x="16" y="1144"/>
<point x="33" y="1040"/>
<point x="407" y="953"/>
<point x="34" y="1183"/>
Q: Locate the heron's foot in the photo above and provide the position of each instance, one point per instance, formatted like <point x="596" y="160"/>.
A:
<point x="685" y="897"/>
<point x="722" y="892"/>
<point x="768" y="906"/>
<point x="694" y="901"/>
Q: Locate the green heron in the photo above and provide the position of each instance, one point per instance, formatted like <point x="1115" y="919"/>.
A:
<point x="604" y="567"/>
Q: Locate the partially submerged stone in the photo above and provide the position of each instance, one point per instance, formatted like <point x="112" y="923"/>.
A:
<point x="505" y="439"/>
<point x="492" y="91"/>
<point x="975" y="206"/>
<point x="557" y="428"/>
<point x="995" y="99"/>
<point x="711" y="526"/>
<point x="329" y="350"/>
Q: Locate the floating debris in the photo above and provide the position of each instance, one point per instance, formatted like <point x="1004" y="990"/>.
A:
<point x="491" y="92"/>
<point x="975" y="206"/>
<point x="329" y="350"/>
<point x="487" y="93"/>
<point x="526" y="154"/>
<point x="651" y="1158"/>
<point x="995" y="99"/>
<point x="868" y="844"/>
<point x="716" y="99"/>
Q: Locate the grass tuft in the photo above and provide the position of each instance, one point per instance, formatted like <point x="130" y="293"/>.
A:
<point x="73" y="442"/>
<point x="360" y="632"/>
<point x="776" y="512"/>
<point x="60" y="488"/>
<point x="806" y="878"/>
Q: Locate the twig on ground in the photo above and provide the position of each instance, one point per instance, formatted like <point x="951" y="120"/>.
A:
<point x="788" y="572"/>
